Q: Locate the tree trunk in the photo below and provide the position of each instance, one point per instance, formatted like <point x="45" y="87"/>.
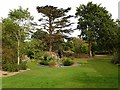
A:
<point x="50" y="46"/>
<point x="50" y="33"/>
<point x="18" y="53"/>
<point x="89" y="49"/>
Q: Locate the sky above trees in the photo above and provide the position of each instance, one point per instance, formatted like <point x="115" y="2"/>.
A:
<point x="6" y="5"/>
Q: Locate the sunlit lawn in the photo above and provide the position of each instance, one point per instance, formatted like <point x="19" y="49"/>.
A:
<point x="0" y="83"/>
<point x="97" y="73"/>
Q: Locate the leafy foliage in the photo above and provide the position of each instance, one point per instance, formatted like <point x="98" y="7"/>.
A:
<point x="34" y="48"/>
<point x="14" y="67"/>
<point x="116" y="56"/>
<point x="79" y="46"/>
<point x="76" y="45"/>
<point x="46" y="58"/>
<point x="8" y="41"/>
<point x="44" y="62"/>
<point x="22" y="17"/>
<point x="96" y="25"/>
<point x="14" y="31"/>
<point x="68" y="62"/>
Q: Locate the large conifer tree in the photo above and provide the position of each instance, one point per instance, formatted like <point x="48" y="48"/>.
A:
<point x="55" y="22"/>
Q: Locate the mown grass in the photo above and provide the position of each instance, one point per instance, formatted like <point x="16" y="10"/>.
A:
<point x="96" y="73"/>
<point x="0" y="83"/>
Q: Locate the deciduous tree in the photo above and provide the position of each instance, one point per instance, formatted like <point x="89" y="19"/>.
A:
<point x="22" y="18"/>
<point x="96" y="25"/>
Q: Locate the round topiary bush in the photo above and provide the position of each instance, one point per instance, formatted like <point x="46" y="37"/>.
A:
<point x="68" y="62"/>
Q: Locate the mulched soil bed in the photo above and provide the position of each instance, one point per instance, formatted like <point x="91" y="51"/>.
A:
<point x="6" y="74"/>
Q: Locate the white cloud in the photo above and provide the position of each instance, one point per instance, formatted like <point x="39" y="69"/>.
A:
<point x="6" y="5"/>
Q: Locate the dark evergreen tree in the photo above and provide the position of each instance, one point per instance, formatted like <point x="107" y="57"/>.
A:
<point x="55" y="22"/>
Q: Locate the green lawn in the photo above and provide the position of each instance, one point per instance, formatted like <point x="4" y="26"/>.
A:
<point x="97" y="73"/>
<point x="0" y="83"/>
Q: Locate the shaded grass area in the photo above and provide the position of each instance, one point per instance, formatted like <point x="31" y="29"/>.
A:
<point x="96" y="73"/>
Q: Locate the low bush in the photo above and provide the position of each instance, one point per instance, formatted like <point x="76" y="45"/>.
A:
<point x="46" y="59"/>
<point x="43" y="62"/>
<point x="11" y="67"/>
<point x="116" y="58"/>
<point x="23" y="66"/>
<point x="14" y="67"/>
<point x="68" y="62"/>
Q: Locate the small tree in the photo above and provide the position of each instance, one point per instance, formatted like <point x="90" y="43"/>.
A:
<point x="77" y="43"/>
<point x="22" y="17"/>
<point x="34" y="47"/>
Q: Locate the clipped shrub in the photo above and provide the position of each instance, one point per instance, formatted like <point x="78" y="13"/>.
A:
<point x="67" y="58"/>
<point x="68" y="62"/>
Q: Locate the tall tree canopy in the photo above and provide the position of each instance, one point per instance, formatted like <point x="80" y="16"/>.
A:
<point x="95" y="24"/>
<point x="55" y="22"/>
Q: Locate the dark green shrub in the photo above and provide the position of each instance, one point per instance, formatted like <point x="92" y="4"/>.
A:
<point x="30" y="54"/>
<point x="68" y="62"/>
<point x="45" y="58"/>
<point x="11" y="67"/>
<point x="50" y="58"/>
<point x="22" y="66"/>
<point x="44" y="62"/>
<point x="14" y="67"/>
